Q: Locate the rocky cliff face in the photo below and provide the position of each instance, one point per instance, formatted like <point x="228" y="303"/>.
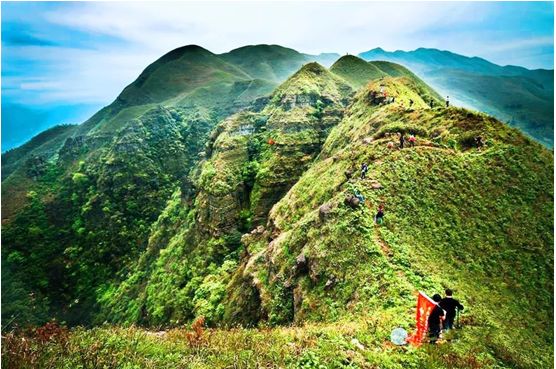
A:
<point x="255" y="157"/>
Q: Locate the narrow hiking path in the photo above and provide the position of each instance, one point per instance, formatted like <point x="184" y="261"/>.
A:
<point x="386" y="250"/>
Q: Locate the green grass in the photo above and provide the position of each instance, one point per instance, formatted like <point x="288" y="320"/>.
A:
<point x="356" y="71"/>
<point x="345" y="344"/>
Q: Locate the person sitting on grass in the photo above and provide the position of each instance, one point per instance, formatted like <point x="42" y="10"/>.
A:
<point x="435" y="319"/>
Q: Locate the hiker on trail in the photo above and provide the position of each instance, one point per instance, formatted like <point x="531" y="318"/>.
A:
<point x="450" y="305"/>
<point x="364" y="170"/>
<point x="379" y="214"/>
<point x="410" y="103"/>
<point x="390" y="145"/>
<point x="447" y="101"/>
<point x="431" y="103"/>
<point x="435" y="319"/>
<point x="411" y="140"/>
<point x="479" y="142"/>
<point x="402" y="140"/>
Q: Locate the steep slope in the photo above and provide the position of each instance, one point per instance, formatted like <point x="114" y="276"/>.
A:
<point x="444" y="228"/>
<point x="255" y="157"/>
<point x="93" y="190"/>
<point x="180" y="79"/>
<point x="89" y="210"/>
<point x="526" y="100"/>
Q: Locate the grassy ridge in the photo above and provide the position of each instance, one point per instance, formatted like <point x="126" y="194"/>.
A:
<point x="443" y="229"/>
<point x="346" y="344"/>
<point x="521" y="97"/>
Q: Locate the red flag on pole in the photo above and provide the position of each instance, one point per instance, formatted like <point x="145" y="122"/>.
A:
<point x="424" y="307"/>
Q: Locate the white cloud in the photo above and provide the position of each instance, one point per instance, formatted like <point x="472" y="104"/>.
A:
<point x="521" y="44"/>
<point x="220" y="26"/>
<point x="74" y="75"/>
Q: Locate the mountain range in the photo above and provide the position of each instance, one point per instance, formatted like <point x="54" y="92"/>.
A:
<point x="524" y="98"/>
<point x="228" y="187"/>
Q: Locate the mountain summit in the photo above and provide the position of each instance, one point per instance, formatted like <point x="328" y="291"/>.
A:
<point x="523" y="98"/>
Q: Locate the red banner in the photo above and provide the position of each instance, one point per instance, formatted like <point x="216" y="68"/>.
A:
<point x="424" y="307"/>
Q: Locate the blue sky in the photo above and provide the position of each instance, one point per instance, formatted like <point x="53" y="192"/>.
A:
<point x="61" y="62"/>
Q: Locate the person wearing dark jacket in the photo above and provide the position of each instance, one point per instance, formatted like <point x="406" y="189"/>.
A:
<point x="435" y="319"/>
<point x="402" y="140"/>
<point x="380" y="214"/>
<point x="364" y="170"/>
<point x="450" y="305"/>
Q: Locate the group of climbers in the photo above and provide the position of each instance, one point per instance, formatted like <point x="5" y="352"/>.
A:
<point x="402" y="139"/>
<point x="442" y="316"/>
<point x="382" y="98"/>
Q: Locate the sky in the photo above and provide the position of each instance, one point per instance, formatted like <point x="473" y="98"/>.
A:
<point x="63" y="61"/>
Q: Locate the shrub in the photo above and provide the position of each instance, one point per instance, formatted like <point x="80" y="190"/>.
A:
<point x="400" y="127"/>
<point x="196" y="337"/>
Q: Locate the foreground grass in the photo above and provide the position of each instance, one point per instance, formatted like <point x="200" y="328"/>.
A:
<point x="353" y="344"/>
